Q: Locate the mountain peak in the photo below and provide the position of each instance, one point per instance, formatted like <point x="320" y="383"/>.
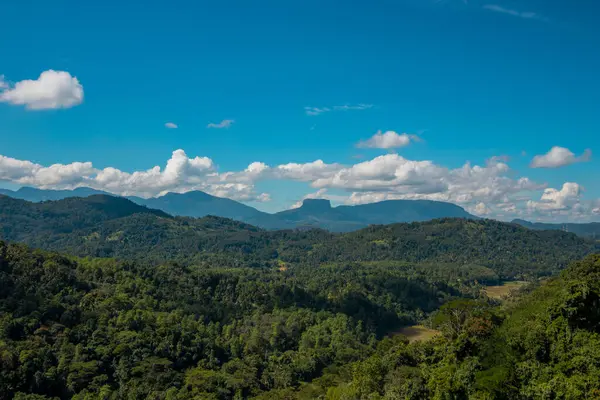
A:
<point x="191" y="195"/>
<point x="316" y="205"/>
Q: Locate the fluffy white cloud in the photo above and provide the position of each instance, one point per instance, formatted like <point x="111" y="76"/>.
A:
<point x="53" y="89"/>
<point x="13" y="170"/>
<point x="179" y="171"/>
<point x="390" y="172"/>
<point x="55" y="174"/>
<point x="226" y="123"/>
<point x="171" y="125"/>
<point x="305" y="172"/>
<point x="28" y="173"/>
<point x="557" y="200"/>
<point x="559" y="157"/>
<point x="387" y="140"/>
<point x="313" y="111"/>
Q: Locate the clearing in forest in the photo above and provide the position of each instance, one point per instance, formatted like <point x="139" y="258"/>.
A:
<point x="501" y="291"/>
<point x="418" y="333"/>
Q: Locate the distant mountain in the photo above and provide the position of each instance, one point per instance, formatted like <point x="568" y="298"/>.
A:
<point x="591" y="229"/>
<point x="319" y="213"/>
<point x="37" y="195"/>
<point x="199" y="204"/>
<point x="314" y="213"/>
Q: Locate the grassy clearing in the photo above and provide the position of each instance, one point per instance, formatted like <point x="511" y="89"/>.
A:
<point x="504" y="290"/>
<point x="417" y="333"/>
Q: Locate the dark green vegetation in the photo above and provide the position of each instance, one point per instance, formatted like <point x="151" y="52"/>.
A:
<point x="212" y="308"/>
<point x="102" y="329"/>
<point x="590" y="230"/>
<point x="72" y="326"/>
<point x="106" y="226"/>
<point x="313" y="213"/>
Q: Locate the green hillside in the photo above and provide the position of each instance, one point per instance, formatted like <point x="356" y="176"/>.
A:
<point x="103" y="329"/>
<point x="104" y="226"/>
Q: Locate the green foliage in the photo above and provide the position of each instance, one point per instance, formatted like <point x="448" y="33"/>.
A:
<point x="105" y="226"/>
<point x="100" y="328"/>
<point x="546" y="346"/>
<point x="202" y="309"/>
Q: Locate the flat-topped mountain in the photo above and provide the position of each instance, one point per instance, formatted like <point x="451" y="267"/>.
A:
<point x="319" y="213"/>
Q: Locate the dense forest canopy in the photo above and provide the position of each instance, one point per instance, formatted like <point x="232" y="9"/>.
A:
<point x="104" y="226"/>
<point x="104" y="329"/>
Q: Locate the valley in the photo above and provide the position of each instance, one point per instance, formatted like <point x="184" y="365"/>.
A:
<point x="504" y="290"/>
<point x="126" y="300"/>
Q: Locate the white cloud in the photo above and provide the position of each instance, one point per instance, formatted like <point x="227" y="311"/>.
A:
<point x="388" y="172"/>
<point x="28" y="173"/>
<point x="481" y="209"/>
<point x="12" y="170"/>
<point x="514" y="13"/>
<point x="313" y="111"/>
<point x="171" y="125"/>
<point x="492" y="189"/>
<point x="305" y="172"/>
<point x="52" y="90"/>
<point x="559" y="157"/>
<point x="226" y="123"/>
<point x="557" y="200"/>
<point x="387" y="140"/>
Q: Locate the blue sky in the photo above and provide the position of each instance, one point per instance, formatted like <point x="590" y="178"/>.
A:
<point x="467" y="81"/>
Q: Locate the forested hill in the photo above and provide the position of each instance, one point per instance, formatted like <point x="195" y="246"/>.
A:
<point x="102" y="329"/>
<point x="106" y="329"/>
<point x="509" y="249"/>
<point x="24" y="221"/>
<point x="104" y="226"/>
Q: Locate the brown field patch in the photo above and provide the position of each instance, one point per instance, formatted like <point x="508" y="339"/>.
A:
<point x="418" y="333"/>
<point x="504" y="290"/>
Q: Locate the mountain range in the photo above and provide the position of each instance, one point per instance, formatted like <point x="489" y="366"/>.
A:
<point x="314" y="213"/>
<point x="109" y="226"/>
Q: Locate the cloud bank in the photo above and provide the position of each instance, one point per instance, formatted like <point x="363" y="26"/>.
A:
<point x="490" y="190"/>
